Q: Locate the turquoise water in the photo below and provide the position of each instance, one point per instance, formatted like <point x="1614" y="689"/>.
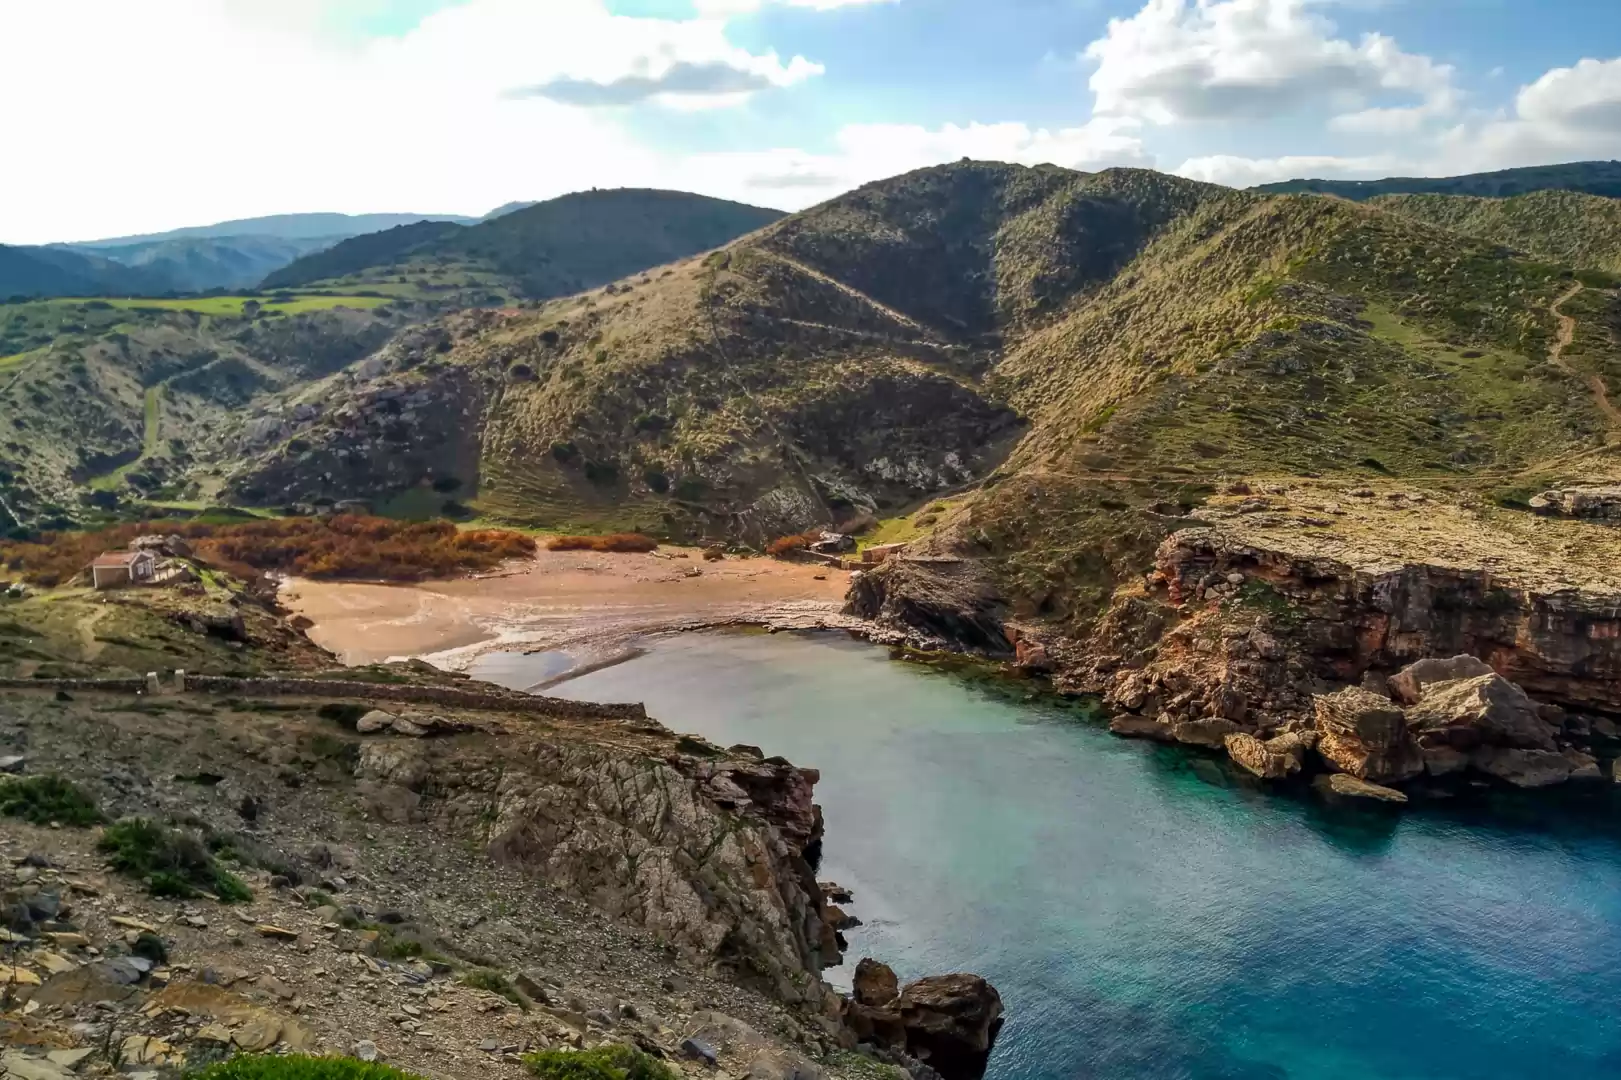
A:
<point x="1146" y="914"/>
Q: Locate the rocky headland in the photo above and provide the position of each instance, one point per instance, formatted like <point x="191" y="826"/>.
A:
<point x="1376" y="635"/>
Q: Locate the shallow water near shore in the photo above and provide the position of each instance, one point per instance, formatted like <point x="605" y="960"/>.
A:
<point x="1147" y="914"/>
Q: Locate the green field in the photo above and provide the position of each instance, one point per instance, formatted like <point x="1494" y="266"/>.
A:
<point x="232" y="305"/>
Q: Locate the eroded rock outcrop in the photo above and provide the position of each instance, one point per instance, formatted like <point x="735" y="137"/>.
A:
<point x="948" y="1022"/>
<point x="707" y="849"/>
<point x="1366" y="736"/>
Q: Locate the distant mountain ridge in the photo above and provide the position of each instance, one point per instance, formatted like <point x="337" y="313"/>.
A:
<point x="328" y="226"/>
<point x="563" y="245"/>
<point x="1587" y="177"/>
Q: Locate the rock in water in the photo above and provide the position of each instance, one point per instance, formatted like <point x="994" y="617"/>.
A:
<point x="1274" y="758"/>
<point x="951" y="1023"/>
<point x="1523" y="768"/>
<point x="1366" y="736"/>
<point x="1486" y="709"/>
<point x="1141" y="727"/>
<point x="875" y="983"/>
<point x="1408" y="684"/>
<point x="1349" y="787"/>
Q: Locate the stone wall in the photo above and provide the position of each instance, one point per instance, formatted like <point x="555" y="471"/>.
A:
<point x="449" y="696"/>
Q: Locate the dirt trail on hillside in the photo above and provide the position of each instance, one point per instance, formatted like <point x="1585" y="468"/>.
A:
<point x="585" y="602"/>
<point x="1595" y="383"/>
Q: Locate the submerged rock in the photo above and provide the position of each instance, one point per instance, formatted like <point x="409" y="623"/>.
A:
<point x="1339" y="785"/>
<point x="1272" y="759"/>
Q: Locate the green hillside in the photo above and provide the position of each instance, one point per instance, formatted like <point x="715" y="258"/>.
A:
<point x="1568" y="227"/>
<point x="109" y="402"/>
<point x="576" y="242"/>
<point x="1590" y="177"/>
<point x="1061" y="366"/>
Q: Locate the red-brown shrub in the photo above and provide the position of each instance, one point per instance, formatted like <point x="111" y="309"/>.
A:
<point x="782" y="545"/>
<point x="345" y="546"/>
<point x="631" y="542"/>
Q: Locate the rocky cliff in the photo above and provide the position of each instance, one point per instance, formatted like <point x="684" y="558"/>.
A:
<point x="1242" y="631"/>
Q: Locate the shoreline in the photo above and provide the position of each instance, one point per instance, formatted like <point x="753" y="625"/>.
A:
<point x="590" y="605"/>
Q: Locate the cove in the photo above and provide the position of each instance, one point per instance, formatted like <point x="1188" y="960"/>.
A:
<point x="1144" y="912"/>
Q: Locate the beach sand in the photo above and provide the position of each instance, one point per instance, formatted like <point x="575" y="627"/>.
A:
<point x="589" y="603"/>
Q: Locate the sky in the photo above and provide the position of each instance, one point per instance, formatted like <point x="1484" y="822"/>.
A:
<point x="130" y="116"/>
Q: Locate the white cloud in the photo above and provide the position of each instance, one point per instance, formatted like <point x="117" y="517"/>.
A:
<point x="149" y="114"/>
<point x="1243" y="172"/>
<point x="1194" y="60"/>
<point x="1568" y="114"/>
<point x="725" y="8"/>
<point x="865" y="152"/>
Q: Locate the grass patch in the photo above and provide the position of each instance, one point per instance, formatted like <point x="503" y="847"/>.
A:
<point x="299" y="1067"/>
<point x="603" y="1063"/>
<point x="628" y="542"/>
<point x="231" y="306"/>
<point x="41" y="800"/>
<point x="170" y="862"/>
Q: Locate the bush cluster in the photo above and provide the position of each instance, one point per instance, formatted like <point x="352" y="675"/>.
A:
<point x="344" y="546"/>
<point x="632" y="542"/>
<point x="41" y="800"/>
<point x="170" y="862"/>
<point x="782" y="545"/>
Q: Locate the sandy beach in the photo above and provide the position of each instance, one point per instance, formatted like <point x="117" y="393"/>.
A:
<point x="588" y="603"/>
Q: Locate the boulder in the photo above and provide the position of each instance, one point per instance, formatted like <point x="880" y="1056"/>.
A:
<point x="1366" y="736"/>
<point x="374" y="721"/>
<point x="875" y="983"/>
<point x="1522" y="768"/>
<point x="1272" y="759"/>
<point x="1211" y="732"/>
<point x="1141" y="727"/>
<point x="1444" y="760"/>
<point x="1408" y="685"/>
<point x="951" y="1024"/>
<point x="1032" y="656"/>
<point x="1484" y="710"/>
<point x="1341" y="786"/>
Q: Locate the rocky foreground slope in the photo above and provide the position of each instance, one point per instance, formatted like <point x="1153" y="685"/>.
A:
<point x="442" y="874"/>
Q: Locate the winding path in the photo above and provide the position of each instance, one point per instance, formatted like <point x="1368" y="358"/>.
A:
<point x="1556" y="357"/>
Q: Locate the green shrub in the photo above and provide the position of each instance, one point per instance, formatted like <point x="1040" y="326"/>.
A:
<point x="171" y="863"/>
<point x="299" y="1067"/>
<point x="496" y="983"/>
<point x="40" y="800"/>
<point x="603" y="1063"/>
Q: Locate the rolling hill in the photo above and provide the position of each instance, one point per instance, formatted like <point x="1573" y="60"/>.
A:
<point x="549" y="249"/>
<point x="1565" y="226"/>
<point x="1068" y="360"/>
<point x="1589" y="177"/>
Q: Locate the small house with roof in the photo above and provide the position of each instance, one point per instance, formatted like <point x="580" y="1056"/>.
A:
<point x="114" y="568"/>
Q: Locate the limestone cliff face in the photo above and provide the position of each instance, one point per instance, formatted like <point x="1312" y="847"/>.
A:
<point x="1562" y="645"/>
<point x="711" y="851"/>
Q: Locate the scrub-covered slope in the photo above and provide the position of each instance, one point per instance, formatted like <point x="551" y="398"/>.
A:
<point x="831" y="365"/>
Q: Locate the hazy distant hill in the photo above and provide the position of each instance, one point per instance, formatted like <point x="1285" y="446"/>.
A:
<point x="49" y="271"/>
<point x="200" y="263"/>
<point x="330" y="227"/>
<point x="560" y="246"/>
<point x="1591" y="177"/>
